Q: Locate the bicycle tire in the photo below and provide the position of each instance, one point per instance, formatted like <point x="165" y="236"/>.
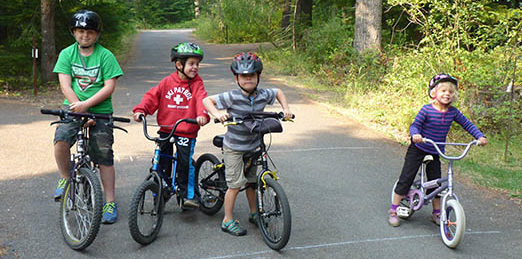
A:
<point x="212" y="184"/>
<point x="405" y="202"/>
<point x="86" y="209"/>
<point x="143" y="204"/>
<point x="275" y="219"/>
<point x="452" y="230"/>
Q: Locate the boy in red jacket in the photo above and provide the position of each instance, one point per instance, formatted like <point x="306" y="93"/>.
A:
<point x="176" y="97"/>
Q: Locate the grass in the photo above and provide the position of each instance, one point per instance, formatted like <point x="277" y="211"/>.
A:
<point x="485" y="166"/>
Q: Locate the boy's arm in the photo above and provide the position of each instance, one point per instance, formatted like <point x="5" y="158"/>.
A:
<point x="281" y="98"/>
<point x="66" y="86"/>
<point x="100" y="96"/>
<point x="210" y="104"/>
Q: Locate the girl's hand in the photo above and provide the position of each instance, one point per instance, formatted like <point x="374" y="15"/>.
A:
<point x="483" y="141"/>
<point x="417" y="138"/>
<point x="202" y="120"/>
<point x="136" y="116"/>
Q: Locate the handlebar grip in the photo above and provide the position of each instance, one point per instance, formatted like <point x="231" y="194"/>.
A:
<point x="217" y="121"/>
<point x="191" y="121"/>
<point x="52" y="112"/>
<point x="121" y="119"/>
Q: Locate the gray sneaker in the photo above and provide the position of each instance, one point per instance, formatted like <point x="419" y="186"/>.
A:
<point x="190" y="203"/>
<point x="436" y="218"/>
<point x="393" y="219"/>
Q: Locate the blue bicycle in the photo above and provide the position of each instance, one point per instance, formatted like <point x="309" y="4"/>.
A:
<point x="148" y="202"/>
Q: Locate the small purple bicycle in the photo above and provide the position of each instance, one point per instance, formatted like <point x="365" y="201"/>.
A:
<point x="452" y="218"/>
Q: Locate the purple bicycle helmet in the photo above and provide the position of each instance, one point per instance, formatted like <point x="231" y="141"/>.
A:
<point x="439" y="79"/>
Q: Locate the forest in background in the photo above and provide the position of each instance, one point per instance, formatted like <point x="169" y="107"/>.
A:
<point x="380" y="76"/>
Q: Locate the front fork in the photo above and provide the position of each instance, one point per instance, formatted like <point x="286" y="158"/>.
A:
<point x="261" y="185"/>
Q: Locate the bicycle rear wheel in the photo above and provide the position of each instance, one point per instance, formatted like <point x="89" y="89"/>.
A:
<point x="275" y="219"/>
<point x="212" y="185"/>
<point x="145" y="214"/>
<point x="81" y="209"/>
<point x="452" y="229"/>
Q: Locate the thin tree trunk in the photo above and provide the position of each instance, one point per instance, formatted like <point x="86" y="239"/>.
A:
<point x="196" y="9"/>
<point x="368" y="18"/>
<point x="48" y="51"/>
<point x="287" y="12"/>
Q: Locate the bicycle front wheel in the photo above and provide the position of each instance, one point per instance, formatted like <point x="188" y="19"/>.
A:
<point x="275" y="219"/>
<point x="452" y="229"/>
<point x="146" y="213"/>
<point x="212" y="185"/>
<point x="81" y="209"/>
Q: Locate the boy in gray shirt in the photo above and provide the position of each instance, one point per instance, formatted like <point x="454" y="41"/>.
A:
<point x="247" y="68"/>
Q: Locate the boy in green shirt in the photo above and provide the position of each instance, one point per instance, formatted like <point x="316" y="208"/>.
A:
<point x="87" y="73"/>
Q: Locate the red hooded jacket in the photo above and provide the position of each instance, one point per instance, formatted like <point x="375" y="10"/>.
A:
<point x="175" y="100"/>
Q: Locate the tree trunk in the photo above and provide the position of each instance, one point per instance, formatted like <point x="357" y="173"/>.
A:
<point x="302" y="19"/>
<point x="48" y="50"/>
<point x="368" y="16"/>
<point x="196" y="9"/>
<point x="287" y="13"/>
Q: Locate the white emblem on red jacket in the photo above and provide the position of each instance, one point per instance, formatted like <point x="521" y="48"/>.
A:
<point x="178" y="95"/>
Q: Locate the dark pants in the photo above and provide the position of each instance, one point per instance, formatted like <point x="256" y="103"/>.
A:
<point x="185" y="171"/>
<point x="412" y="162"/>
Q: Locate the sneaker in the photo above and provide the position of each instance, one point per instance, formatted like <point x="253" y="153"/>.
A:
<point x="435" y="217"/>
<point x="393" y="219"/>
<point x="253" y="218"/>
<point x="232" y="227"/>
<point x="190" y="203"/>
<point x="60" y="189"/>
<point x="110" y="212"/>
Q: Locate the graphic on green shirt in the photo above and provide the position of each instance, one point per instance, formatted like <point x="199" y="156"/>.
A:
<point x="85" y="77"/>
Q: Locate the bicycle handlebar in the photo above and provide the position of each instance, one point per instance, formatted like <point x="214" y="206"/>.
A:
<point x="257" y="115"/>
<point x="156" y="139"/>
<point x="63" y="113"/>
<point x="464" y="153"/>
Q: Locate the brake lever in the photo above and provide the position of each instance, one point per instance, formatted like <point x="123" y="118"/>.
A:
<point x="120" y="128"/>
<point x="58" y="122"/>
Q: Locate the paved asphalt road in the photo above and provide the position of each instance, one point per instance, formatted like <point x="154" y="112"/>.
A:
<point x="337" y="174"/>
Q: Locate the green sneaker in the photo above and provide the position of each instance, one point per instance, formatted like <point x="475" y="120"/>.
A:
<point x="110" y="212"/>
<point x="232" y="227"/>
<point x="252" y="218"/>
<point x="60" y="189"/>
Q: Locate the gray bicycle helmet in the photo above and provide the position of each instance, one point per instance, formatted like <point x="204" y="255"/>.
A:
<point x="246" y="63"/>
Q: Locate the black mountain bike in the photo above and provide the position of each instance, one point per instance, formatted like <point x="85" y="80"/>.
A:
<point x="148" y="202"/>
<point x="82" y="200"/>
<point x="274" y="217"/>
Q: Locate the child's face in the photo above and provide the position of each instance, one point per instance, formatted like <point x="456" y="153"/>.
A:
<point x="444" y="94"/>
<point x="191" y="67"/>
<point x="85" y="37"/>
<point x="247" y="81"/>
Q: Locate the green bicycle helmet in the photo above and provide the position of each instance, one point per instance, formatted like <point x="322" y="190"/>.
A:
<point x="185" y="50"/>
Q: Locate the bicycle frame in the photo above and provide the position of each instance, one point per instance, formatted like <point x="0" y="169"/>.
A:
<point x="446" y="183"/>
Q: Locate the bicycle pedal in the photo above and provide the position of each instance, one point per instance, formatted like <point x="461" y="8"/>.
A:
<point x="403" y="212"/>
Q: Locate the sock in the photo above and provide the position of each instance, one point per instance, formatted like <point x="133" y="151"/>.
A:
<point x="436" y="212"/>
<point x="394" y="207"/>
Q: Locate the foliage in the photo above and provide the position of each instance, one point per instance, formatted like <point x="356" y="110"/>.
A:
<point x="157" y="13"/>
<point x="233" y="21"/>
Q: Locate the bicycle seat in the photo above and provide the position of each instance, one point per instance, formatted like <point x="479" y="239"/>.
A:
<point x="218" y="141"/>
<point x="427" y="159"/>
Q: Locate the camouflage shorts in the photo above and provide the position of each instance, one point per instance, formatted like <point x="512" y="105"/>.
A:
<point x="101" y="139"/>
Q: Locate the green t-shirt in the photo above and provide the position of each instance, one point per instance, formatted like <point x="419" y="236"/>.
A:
<point x="88" y="75"/>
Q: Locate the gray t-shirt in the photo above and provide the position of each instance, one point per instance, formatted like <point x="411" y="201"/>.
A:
<point x="238" y="137"/>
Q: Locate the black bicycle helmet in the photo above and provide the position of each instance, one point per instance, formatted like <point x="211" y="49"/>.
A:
<point x="186" y="50"/>
<point x="246" y="63"/>
<point x="439" y="79"/>
<point x="85" y="19"/>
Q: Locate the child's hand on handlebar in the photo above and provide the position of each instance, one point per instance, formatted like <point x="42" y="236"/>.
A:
<point x="417" y="138"/>
<point x="288" y="114"/>
<point x="483" y="141"/>
<point x="137" y="116"/>
<point x="222" y="117"/>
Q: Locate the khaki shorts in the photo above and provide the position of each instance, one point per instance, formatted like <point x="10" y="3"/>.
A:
<point x="234" y="169"/>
